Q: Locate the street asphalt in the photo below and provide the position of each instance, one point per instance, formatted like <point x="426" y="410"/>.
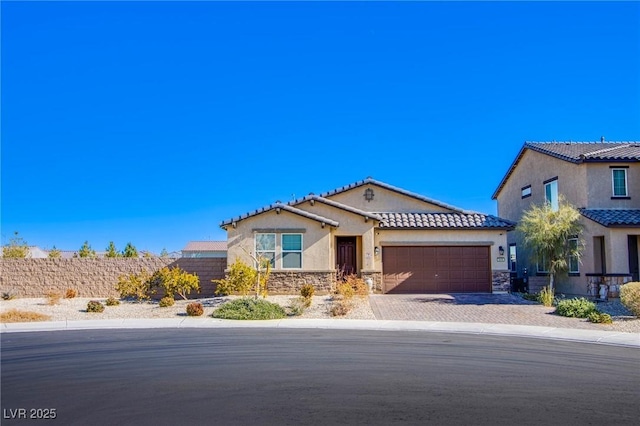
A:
<point x="539" y="332"/>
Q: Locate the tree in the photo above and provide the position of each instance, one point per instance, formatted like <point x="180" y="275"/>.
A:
<point x="111" y="250"/>
<point x="547" y="232"/>
<point x="175" y="281"/>
<point x="86" y="250"/>
<point x="54" y="253"/>
<point x="129" y="251"/>
<point x="17" y="248"/>
<point x="164" y="253"/>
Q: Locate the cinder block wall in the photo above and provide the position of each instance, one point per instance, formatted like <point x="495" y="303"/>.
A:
<point x="96" y="277"/>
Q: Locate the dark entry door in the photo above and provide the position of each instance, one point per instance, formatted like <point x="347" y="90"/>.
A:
<point x="346" y="255"/>
<point x="632" y="241"/>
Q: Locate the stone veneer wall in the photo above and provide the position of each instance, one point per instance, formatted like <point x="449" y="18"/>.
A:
<point x="613" y="283"/>
<point x="501" y="281"/>
<point x="96" y="277"/>
<point x="290" y="282"/>
<point x="376" y="277"/>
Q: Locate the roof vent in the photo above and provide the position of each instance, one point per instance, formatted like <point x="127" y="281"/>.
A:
<point x="601" y="139"/>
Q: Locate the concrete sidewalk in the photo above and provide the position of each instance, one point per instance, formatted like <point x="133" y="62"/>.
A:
<point x="539" y="332"/>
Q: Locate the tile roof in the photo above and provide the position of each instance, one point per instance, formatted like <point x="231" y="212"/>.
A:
<point x="206" y="246"/>
<point x="613" y="217"/>
<point x="279" y="206"/>
<point x="312" y="197"/>
<point x="443" y="221"/>
<point x="577" y="152"/>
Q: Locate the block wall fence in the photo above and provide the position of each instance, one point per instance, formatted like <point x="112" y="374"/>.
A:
<point x="97" y="277"/>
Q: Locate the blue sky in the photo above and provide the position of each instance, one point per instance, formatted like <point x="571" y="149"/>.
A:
<point x="151" y="122"/>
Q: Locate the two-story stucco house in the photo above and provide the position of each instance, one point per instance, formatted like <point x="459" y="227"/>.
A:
<point x="601" y="179"/>
<point x="400" y="241"/>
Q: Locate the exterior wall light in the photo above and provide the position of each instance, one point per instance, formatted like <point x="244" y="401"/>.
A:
<point x="376" y="251"/>
<point x="501" y="250"/>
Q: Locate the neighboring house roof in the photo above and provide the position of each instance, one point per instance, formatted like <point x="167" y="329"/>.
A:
<point x="444" y="221"/>
<point x="372" y="181"/>
<point x="279" y="206"/>
<point x="577" y="152"/>
<point x="612" y="218"/>
<point x="206" y="246"/>
<point x="312" y="198"/>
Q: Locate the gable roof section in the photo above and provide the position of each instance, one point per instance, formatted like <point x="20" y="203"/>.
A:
<point x="414" y="195"/>
<point x="280" y="206"/>
<point x="206" y="246"/>
<point x="612" y="218"/>
<point x="443" y="221"/>
<point x="577" y="153"/>
<point x="313" y="198"/>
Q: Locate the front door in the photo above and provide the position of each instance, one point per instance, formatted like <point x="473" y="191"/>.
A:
<point x="346" y="255"/>
<point x="634" y="269"/>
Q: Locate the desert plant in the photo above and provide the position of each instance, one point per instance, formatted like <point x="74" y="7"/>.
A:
<point x="136" y="286"/>
<point x="86" y="250"/>
<point x="195" y="309"/>
<point x="112" y="301"/>
<point x="575" y="308"/>
<point x="240" y="279"/>
<point x="297" y="306"/>
<point x="166" y="301"/>
<point x="53" y="297"/>
<point x="600" y="318"/>
<point x="307" y="292"/>
<point x="112" y="252"/>
<point x="70" y="293"/>
<point x="534" y="297"/>
<point x="344" y="290"/>
<point x="176" y="281"/>
<point x="54" y="253"/>
<point x="546" y="296"/>
<point x="248" y="308"/>
<point x="340" y="308"/>
<point x="360" y="288"/>
<point x="8" y="295"/>
<point x="630" y="297"/>
<point x="17" y="248"/>
<point x="95" y="306"/>
<point x="14" y="315"/>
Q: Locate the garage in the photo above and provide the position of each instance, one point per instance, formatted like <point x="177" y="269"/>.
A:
<point x="436" y="269"/>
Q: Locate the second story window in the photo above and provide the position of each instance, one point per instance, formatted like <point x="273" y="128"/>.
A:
<point x="619" y="182"/>
<point x="551" y="193"/>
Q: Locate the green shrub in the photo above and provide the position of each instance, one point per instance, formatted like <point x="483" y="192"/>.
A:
<point x="297" y="306"/>
<point x="136" y="286"/>
<point x="112" y="301"/>
<point x="70" y="293"/>
<point x="195" y="309"/>
<point x="166" y="301"/>
<point x="630" y="297"/>
<point x="546" y="296"/>
<point x="95" y="306"/>
<point x="575" y="308"/>
<point x="242" y="279"/>
<point x="600" y="317"/>
<point x="248" y="308"/>
<point x="534" y="297"/>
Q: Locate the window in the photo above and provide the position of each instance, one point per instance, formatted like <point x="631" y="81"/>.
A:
<point x="291" y="251"/>
<point x="543" y="265"/>
<point x="266" y="247"/>
<point x="526" y="191"/>
<point x="619" y="181"/>
<point x="574" y="263"/>
<point x="512" y="258"/>
<point x="551" y="193"/>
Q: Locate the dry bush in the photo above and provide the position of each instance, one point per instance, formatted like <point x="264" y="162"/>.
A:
<point x="340" y="308"/>
<point x="195" y="309"/>
<point x="14" y="315"/>
<point x="70" y="293"/>
<point x="53" y="297"/>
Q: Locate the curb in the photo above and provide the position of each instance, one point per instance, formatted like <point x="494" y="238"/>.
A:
<point x="510" y="330"/>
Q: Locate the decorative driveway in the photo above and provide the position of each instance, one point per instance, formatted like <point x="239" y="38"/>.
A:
<point x="488" y="308"/>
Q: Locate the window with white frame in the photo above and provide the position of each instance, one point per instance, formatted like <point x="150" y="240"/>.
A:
<point x="574" y="262"/>
<point x="291" y="251"/>
<point x="619" y="182"/>
<point x="513" y="258"/>
<point x="551" y="193"/>
<point x="266" y="247"/>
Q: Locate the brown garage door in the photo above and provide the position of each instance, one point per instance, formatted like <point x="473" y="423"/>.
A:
<point x="448" y="269"/>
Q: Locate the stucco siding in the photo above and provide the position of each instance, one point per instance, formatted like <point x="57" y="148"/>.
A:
<point x="600" y="184"/>
<point x="316" y="240"/>
<point x="384" y="200"/>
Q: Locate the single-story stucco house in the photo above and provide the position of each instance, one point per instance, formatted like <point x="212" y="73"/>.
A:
<point x="399" y="241"/>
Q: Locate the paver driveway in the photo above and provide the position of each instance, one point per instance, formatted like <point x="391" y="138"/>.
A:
<point x="483" y="308"/>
